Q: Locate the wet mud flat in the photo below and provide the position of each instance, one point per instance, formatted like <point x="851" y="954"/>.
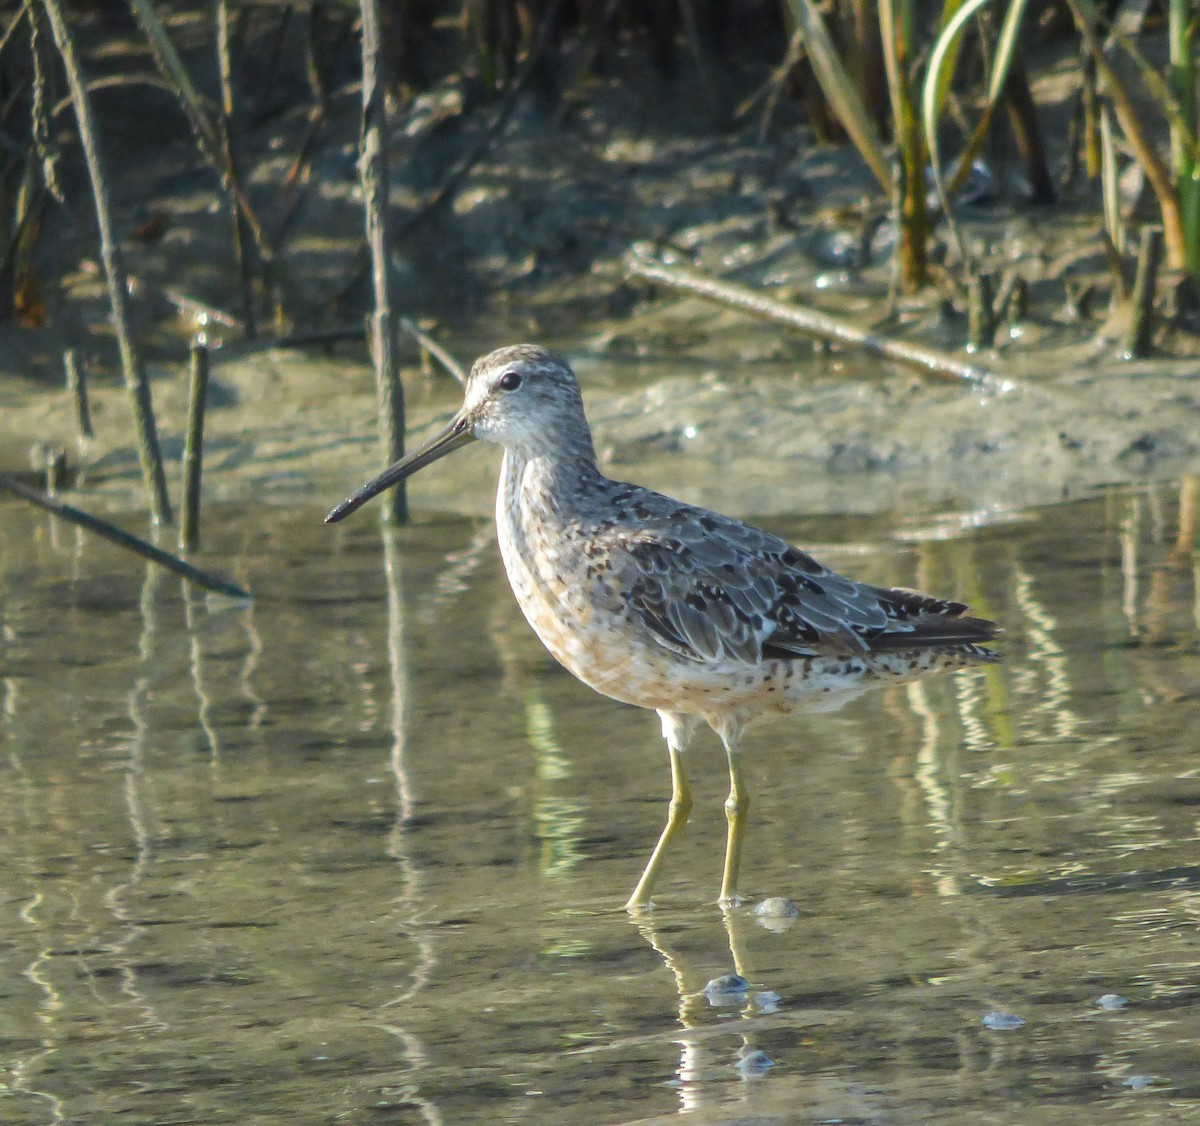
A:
<point x="813" y="433"/>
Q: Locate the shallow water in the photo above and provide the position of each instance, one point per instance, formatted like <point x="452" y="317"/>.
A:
<point x="357" y="853"/>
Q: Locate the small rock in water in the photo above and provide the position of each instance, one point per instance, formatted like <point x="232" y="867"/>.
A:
<point x="1002" y="1022"/>
<point x="755" y="1063"/>
<point x="1112" y="1001"/>
<point x="777" y="907"/>
<point x="728" y="989"/>
<point x="767" y="1001"/>
<point x="776" y="914"/>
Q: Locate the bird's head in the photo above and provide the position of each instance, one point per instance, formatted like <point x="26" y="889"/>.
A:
<point x="523" y="397"/>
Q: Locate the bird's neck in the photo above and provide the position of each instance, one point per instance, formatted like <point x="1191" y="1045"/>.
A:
<point x="547" y="482"/>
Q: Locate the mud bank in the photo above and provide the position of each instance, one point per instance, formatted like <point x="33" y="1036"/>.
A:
<point x="751" y="436"/>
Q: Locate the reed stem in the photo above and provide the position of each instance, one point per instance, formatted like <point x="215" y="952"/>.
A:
<point x="242" y="238"/>
<point x="373" y="170"/>
<point x="193" y="450"/>
<point x="1141" y="323"/>
<point x="981" y="314"/>
<point x="136" y="383"/>
<point x="78" y="390"/>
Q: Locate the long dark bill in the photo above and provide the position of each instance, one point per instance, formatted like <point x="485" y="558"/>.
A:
<point x="458" y="433"/>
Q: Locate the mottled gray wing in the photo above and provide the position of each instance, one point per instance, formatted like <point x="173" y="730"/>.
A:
<point x="709" y="588"/>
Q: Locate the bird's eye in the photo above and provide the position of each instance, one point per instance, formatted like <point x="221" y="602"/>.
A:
<point x="510" y="381"/>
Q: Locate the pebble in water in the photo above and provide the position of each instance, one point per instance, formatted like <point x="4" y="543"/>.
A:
<point x="755" y="1063"/>
<point x="728" y="989"/>
<point x="1002" y="1022"/>
<point x="777" y="907"/>
<point x="776" y="914"/>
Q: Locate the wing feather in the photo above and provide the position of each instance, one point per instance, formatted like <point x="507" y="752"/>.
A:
<point x="712" y="588"/>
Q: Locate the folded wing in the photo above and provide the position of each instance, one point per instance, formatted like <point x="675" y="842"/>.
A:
<point x="711" y="588"/>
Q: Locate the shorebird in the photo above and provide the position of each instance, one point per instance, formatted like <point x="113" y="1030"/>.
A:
<point x="668" y="606"/>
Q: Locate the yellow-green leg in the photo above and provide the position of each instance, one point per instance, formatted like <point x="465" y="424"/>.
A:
<point x="678" y="732"/>
<point x="737" y="805"/>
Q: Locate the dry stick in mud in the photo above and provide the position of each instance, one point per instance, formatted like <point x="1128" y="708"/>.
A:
<point x="149" y="452"/>
<point x="434" y="349"/>
<point x="124" y="539"/>
<point x="373" y="167"/>
<point x="812" y="322"/>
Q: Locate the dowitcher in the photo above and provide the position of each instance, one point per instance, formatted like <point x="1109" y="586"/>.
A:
<point x="672" y="607"/>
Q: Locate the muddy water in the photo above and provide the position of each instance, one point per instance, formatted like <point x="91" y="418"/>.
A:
<point x="357" y="853"/>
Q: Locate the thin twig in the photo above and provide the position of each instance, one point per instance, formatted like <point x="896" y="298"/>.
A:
<point x="229" y="154"/>
<point x="45" y="86"/>
<point x="1116" y="269"/>
<point x="207" y="135"/>
<point x="78" y="389"/>
<point x="193" y="449"/>
<point x="149" y="452"/>
<point x="6" y="36"/>
<point x="1141" y="323"/>
<point x="124" y="539"/>
<point x="373" y="173"/>
<point x="811" y="322"/>
<point x="1133" y="127"/>
<point x="692" y="33"/>
<point x="434" y="349"/>
<point x="125" y="81"/>
<point x="299" y="174"/>
<point x="445" y="192"/>
<point x="24" y="218"/>
<point x="203" y="314"/>
<point x="53" y="461"/>
<point x="297" y="178"/>
<point x="777" y="82"/>
<point x="981" y="313"/>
